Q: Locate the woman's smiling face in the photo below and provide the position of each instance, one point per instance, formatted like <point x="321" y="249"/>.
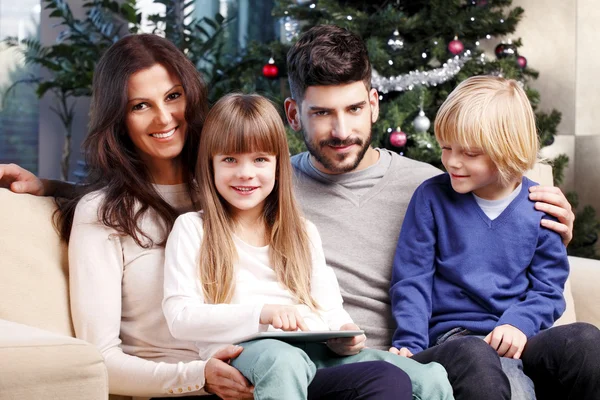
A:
<point x="155" y="116"/>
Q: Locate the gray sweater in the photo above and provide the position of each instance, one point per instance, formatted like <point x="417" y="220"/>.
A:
<point x="359" y="216"/>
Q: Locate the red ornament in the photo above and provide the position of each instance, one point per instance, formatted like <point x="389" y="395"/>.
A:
<point x="270" y="70"/>
<point x="522" y="61"/>
<point x="398" y="138"/>
<point x="456" y="46"/>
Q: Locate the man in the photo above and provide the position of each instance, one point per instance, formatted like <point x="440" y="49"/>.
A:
<point x="357" y="196"/>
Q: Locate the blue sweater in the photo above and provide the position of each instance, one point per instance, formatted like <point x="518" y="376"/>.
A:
<point x="454" y="267"/>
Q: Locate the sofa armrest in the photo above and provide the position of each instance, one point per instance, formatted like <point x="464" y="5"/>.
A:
<point x="585" y="283"/>
<point x="38" y="364"/>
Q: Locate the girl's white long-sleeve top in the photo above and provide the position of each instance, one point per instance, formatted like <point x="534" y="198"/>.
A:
<point x="116" y="294"/>
<point x="212" y="326"/>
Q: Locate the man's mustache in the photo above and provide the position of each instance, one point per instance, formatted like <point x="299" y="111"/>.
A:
<point x="341" y="143"/>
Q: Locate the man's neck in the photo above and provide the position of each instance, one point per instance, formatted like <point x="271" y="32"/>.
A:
<point x="371" y="157"/>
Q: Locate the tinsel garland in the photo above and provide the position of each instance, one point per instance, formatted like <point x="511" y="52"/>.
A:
<point x="413" y="79"/>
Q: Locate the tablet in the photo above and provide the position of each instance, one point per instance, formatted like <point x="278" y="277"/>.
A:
<point x="301" y="336"/>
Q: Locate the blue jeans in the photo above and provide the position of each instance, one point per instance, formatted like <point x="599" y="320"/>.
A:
<point x="521" y="386"/>
<point x="280" y="370"/>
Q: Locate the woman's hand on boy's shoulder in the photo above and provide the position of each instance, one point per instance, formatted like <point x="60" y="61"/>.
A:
<point x="507" y="340"/>
<point x="552" y="201"/>
<point x="19" y="180"/>
<point x="347" y="346"/>
<point x="224" y="380"/>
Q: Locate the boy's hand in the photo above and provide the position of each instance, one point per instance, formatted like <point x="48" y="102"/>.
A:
<point x="551" y="200"/>
<point x="286" y="318"/>
<point x="347" y="346"/>
<point x="19" y="180"/>
<point x="507" y="340"/>
<point x="403" y="352"/>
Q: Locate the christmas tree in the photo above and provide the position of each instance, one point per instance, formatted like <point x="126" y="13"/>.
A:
<point x="420" y="50"/>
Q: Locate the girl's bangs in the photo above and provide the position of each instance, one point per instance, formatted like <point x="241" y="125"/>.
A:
<point x="252" y="133"/>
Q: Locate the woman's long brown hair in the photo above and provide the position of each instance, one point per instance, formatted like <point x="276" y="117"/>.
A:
<point x="113" y="163"/>
<point x="237" y="124"/>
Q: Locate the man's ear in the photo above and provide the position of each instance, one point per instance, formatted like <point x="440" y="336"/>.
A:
<point x="292" y="113"/>
<point x="374" y="101"/>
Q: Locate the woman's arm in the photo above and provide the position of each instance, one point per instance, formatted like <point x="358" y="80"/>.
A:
<point x="188" y="316"/>
<point x="95" y="275"/>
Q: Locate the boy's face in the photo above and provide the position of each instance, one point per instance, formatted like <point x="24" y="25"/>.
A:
<point x="472" y="170"/>
<point x="337" y="121"/>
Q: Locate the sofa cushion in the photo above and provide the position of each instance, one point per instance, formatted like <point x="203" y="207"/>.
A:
<point x="585" y="279"/>
<point x="569" y="315"/>
<point x="38" y="364"/>
<point x="33" y="264"/>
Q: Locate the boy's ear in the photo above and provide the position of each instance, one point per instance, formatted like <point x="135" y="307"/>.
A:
<point x="292" y="113"/>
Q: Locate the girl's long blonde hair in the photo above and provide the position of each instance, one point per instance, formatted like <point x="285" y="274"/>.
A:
<point x="494" y="114"/>
<point x="243" y="123"/>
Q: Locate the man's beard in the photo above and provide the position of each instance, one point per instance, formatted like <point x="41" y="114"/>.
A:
<point x="335" y="165"/>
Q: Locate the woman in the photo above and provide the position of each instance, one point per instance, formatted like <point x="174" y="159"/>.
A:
<point x="147" y="110"/>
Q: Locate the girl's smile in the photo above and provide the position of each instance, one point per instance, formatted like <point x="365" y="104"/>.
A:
<point x="245" y="180"/>
<point x="245" y="190"/>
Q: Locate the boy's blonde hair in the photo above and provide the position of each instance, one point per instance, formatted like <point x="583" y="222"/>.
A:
<point x="495" y="115"/>
<point x="245" y="123"/>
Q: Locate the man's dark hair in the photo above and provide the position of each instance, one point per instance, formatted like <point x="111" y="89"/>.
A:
<point x="327" y="55"/>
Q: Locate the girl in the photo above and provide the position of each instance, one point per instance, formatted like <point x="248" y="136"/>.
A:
<point x="248" y="263"/>
<point x="474" y="258"/>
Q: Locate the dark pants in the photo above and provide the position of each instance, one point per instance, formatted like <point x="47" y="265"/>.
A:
<point x="473" y="368"/>
<point x="369" y="380"/>
<point x="360" y="381"/>
<point x="564" y="362"/>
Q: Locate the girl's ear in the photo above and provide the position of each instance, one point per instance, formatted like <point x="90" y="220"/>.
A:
<point x="292" y="112"/>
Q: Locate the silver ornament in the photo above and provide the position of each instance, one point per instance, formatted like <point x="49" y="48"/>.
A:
<point x="291" y="28"/>
<point x="303" y="2"/>
<point x="421" y="123"/>
<point x="396" y="42"/>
